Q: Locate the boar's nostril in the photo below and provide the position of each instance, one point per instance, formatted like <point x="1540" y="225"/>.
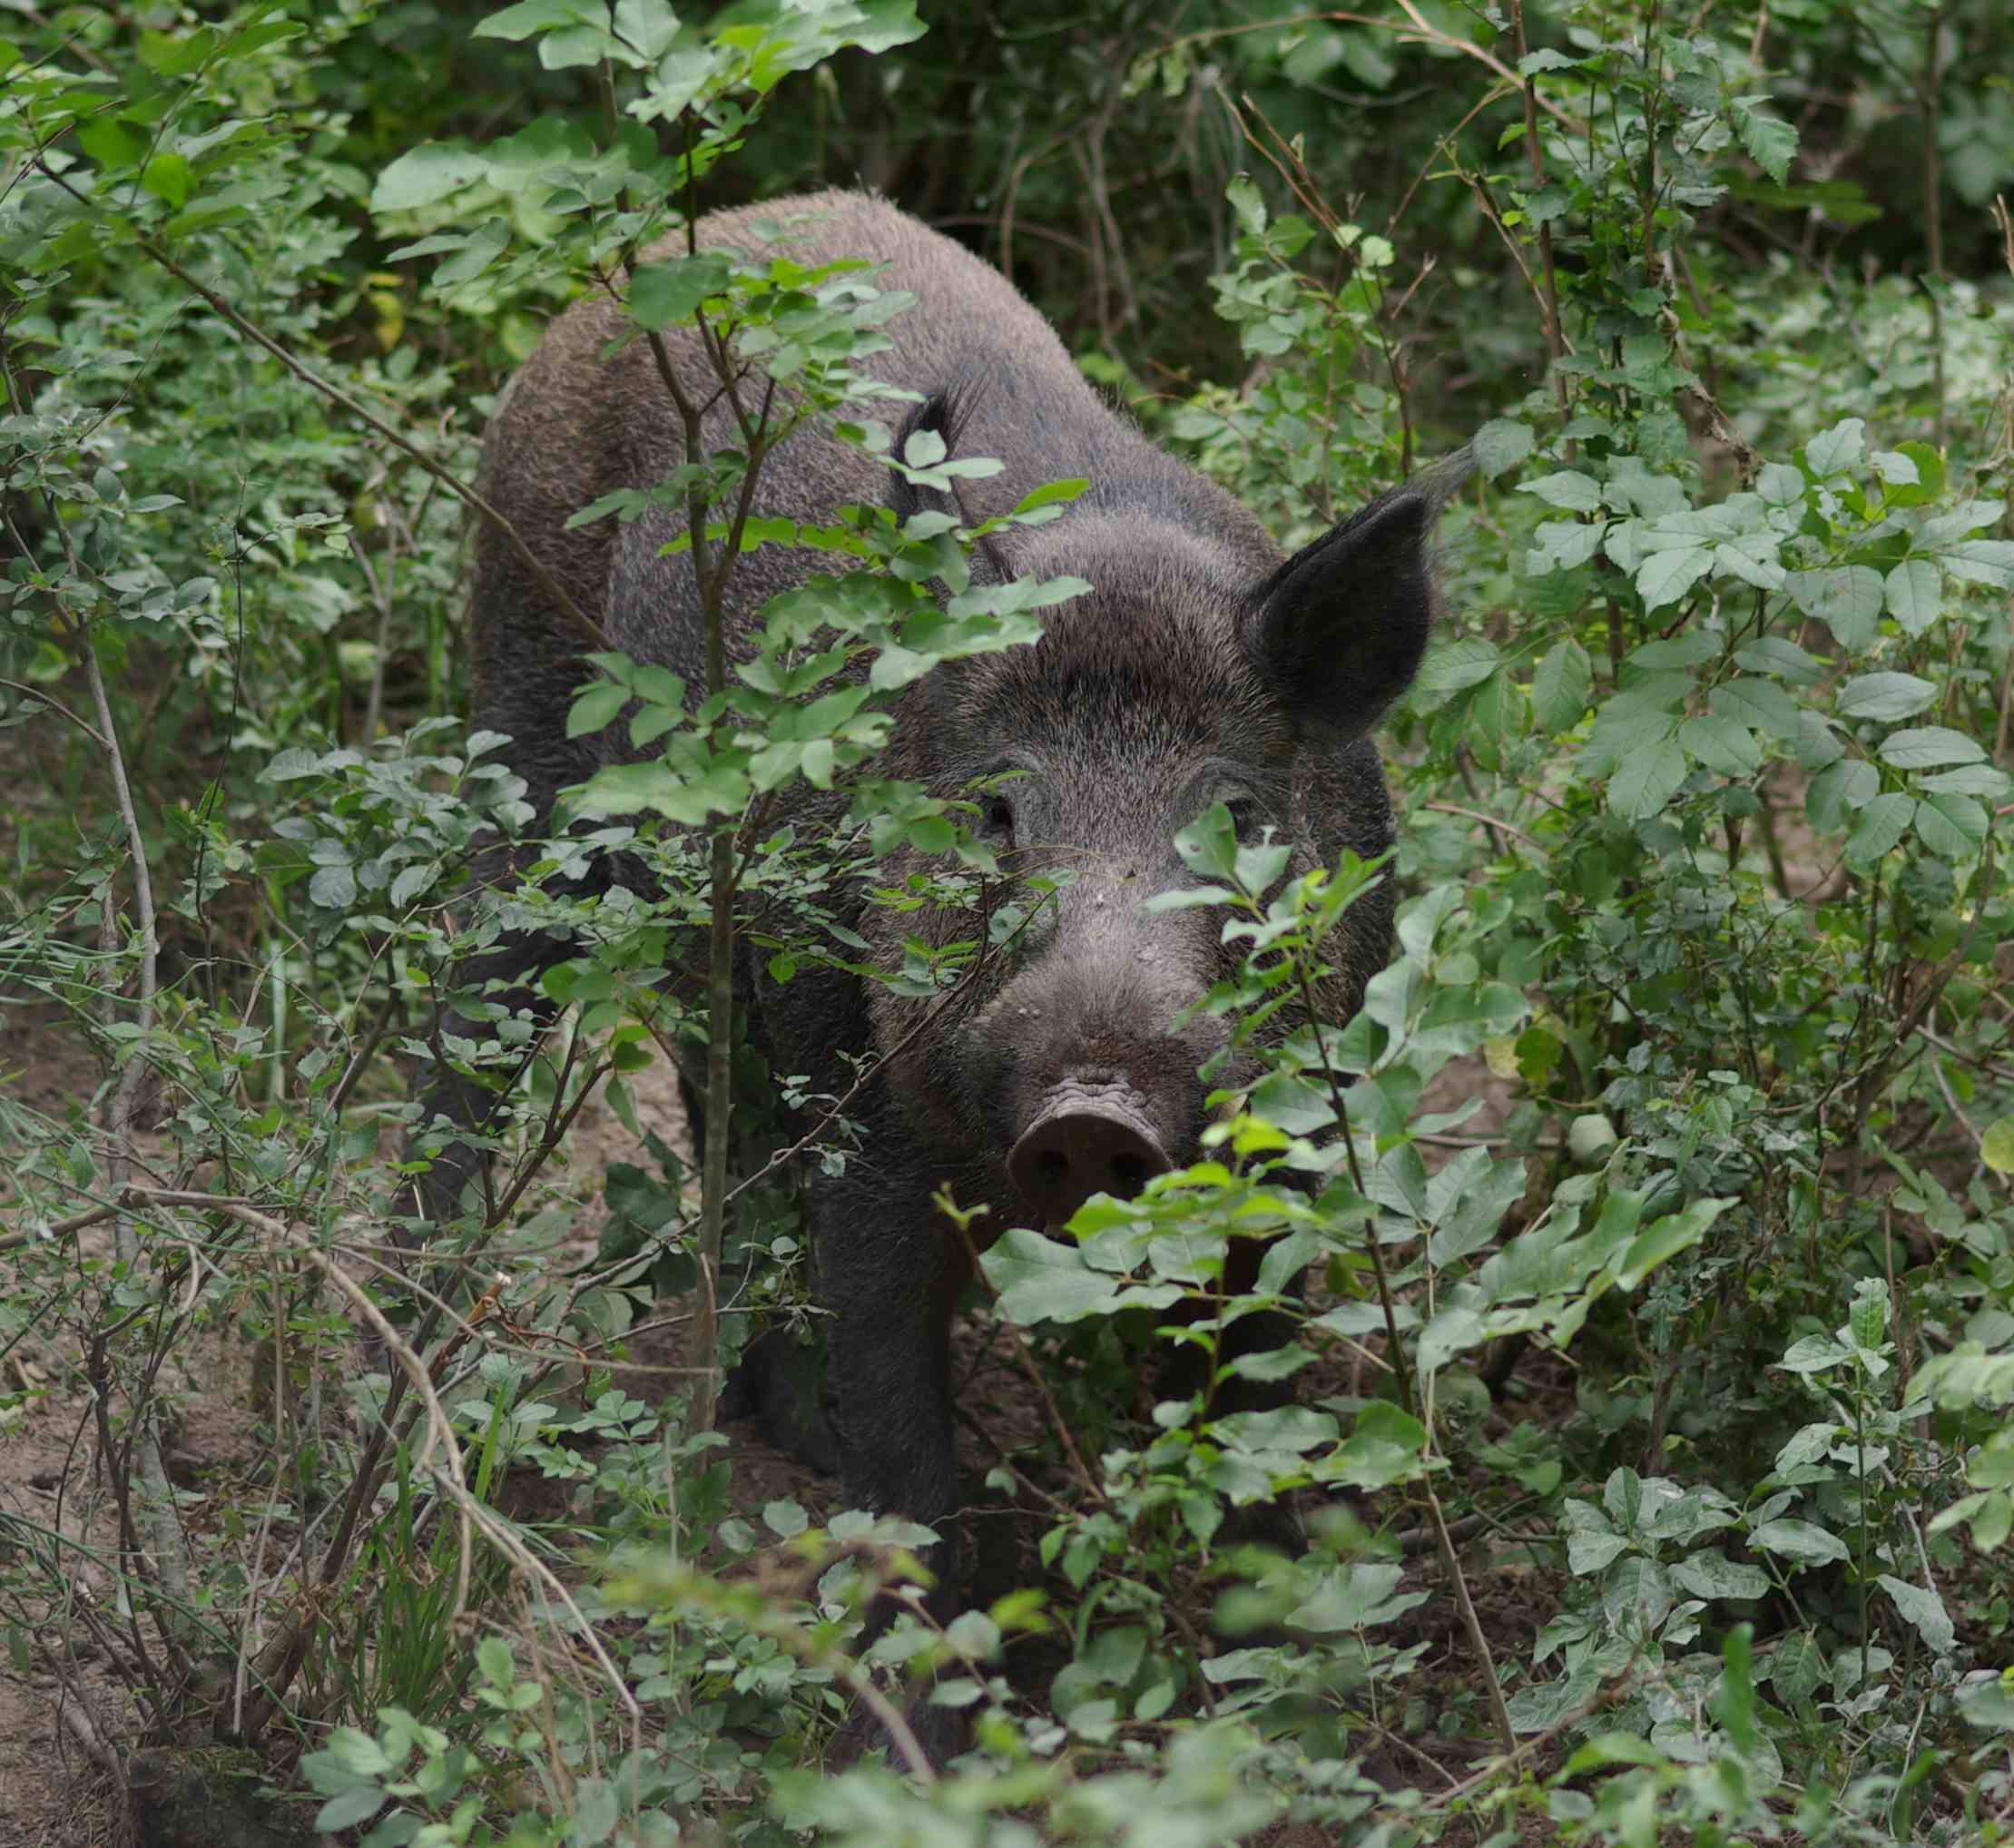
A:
<point x="1086" y="1141"/>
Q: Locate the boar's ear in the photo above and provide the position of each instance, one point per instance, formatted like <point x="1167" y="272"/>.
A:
<point x="1340" y="628"/>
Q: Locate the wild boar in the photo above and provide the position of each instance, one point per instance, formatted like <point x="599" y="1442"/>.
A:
<point x="1203" y="665"/>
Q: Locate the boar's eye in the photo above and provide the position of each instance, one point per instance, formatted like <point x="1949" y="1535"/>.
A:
<point x="997" y="819"/>
<point x="1246" y="816"/>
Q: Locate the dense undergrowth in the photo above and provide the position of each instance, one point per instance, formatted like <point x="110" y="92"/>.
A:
<point x="1651" y="1441"/>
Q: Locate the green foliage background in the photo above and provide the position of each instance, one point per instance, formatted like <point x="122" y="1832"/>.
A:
<point x="1662" y="1251"/>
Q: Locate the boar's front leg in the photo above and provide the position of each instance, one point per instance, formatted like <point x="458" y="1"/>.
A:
<point x="891" y="1272"/>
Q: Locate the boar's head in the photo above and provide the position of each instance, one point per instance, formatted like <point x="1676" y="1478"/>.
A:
<point x="1185" y="677"/>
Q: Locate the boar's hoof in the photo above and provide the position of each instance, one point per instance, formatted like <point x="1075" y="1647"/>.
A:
<point x="1084" y="1140"/>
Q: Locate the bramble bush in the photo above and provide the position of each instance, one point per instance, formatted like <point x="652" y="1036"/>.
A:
<point x="1642" y="1254"/>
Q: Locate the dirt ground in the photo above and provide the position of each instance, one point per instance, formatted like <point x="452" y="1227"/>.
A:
<point x="53" y="1795"/>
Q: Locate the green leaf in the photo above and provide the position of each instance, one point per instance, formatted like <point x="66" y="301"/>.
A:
<point x="1454" y="665"/>
<point x="1247" y="203"/>
<point x="110" y="142"/>
<point x="1881" y="824"/>
<point x="1786" y="660"/>
<point x="1052" y="493"/>
<point x="1780" y="485"/>
<point x="1561" y="687"/>
<point x="1647" y="780"/>
<point x="1721" y="744"/>
<point x="1981" y="561"/>
<point x="1667" y="577"/>
<point x="1711" y="1574"/>
<point x="1929" y="485"/>
<point x="1996" y="1146"/>
<point x="1887" y="696"/>
<point x="596" y="708"/>
<point x="429" y="173"/>
<point x="1759" y="704"/>
<point x="1568" y="488"/>
<point x="1500" y="445"/>
<point x="1835" y="450"/>
<point x="1799" y="1539"/>
<point x="334" y="886"/>
<point x="669" y="294"/>
<point x="786" y="1519"/>
<point x="166" y="176"/>
<point x="1915" y="595"/>
<point x="1928" y="747"/>
<point x="521" y="21"/>
<point x="1850" y="783"/>
<point x="1951" y="827"/>
<point x="1209" y="844"/>
<point x="1848" y="598"/>
<point x="349" y="1808"/>
<point x="1924" y="1609"/>
<point x="1562" y="545"/>
<point x="1039" y="1279"/>
<point x="1767" y="140"/>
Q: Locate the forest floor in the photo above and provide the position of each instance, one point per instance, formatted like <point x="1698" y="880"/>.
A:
<point x="54" y="1792"/>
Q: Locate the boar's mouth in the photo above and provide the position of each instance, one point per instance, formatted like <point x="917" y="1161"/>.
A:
<point x="1086" y="1139"/>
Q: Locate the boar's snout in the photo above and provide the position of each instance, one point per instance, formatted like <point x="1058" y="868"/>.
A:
<point x="1086" y="1139"/>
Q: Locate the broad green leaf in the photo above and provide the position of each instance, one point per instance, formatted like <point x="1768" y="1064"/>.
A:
<point x="1248" y="203"/>
<point x="1767" y="140"/>
<point x="1915" y="595"/>
<point x="1981" y="561"/>
<point x="527" y="17"/>
<point x="1780" y="485"/>
<point x="1452" y="1332"/>
<point x="1995" y="1145"/>
<point x="1968" y="780"/>
<point x="1786" y="660"/>
<point x="1884" y="696"/>
<point x="1847" y="598"/>
<point x="1561" y="687"/>
<point x="1797" y="1668"/>
<point x="334" y="886"/>
<point x="1500" y="445"/>
<point x="1667" y="577"/>
<point x="1647" y="780"/>
<point x="1759" y="704"/>
<point x="1833" y="451"/>
<point x="110" y="142"/>
<point x="166" y="176"/>
<point x="1722" y="744"/>
<point x="1848" y="784"/>
<point x="429" y="173"/>
<point x="1711" y="1574"/>
<point x="1454" y="665"/>
<point x="1042" y="1279"/>
<point x="1562" y="545"/>
<point x="669" y="294"/>
<point x="1929" y="747"/>
<point x="596" y="708"/>
<point x="1923" y="1608"/>
<point x="1952" y="827"/>
<point x="1881" y="824"/>
<point x="1799" y="1539"/>
<point x="1568" y="488"/>
<point x="1052" y="494"/>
